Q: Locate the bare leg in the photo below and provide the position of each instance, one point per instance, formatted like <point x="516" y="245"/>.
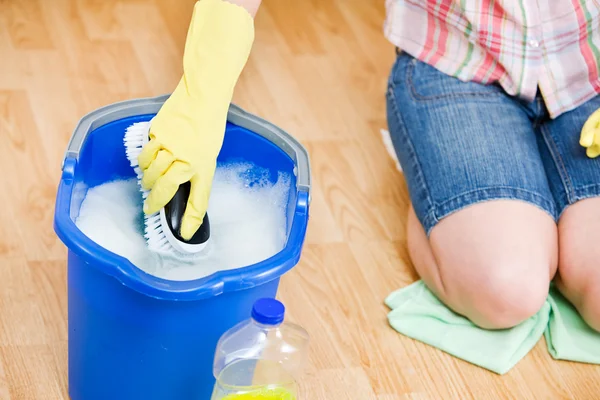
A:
<point x="491" y="262"/>
<point x="579" y="262"/>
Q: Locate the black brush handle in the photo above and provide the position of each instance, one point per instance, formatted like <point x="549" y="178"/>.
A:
<point x="174" y="211"/>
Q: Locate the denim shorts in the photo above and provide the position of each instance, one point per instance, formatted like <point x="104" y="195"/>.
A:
<point x="461" y="143"/>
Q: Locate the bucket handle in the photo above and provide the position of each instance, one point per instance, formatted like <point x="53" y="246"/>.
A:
<point x="235" y="115"/>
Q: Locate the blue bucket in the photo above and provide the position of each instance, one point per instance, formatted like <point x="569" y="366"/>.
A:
<point x="135" y="336"/>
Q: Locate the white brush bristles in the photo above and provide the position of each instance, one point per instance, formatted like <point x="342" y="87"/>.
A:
<point x="136" y="137"/>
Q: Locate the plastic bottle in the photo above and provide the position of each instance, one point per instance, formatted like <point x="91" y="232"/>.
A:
<point x="260" y="358"/>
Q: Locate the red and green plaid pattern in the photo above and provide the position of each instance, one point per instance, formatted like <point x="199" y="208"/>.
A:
<point x="553" y="45"/>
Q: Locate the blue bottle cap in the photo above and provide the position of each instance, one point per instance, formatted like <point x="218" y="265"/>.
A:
<point x="268" y="311"/>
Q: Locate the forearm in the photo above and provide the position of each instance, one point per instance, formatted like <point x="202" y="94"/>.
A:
<point x="250" y="5"/>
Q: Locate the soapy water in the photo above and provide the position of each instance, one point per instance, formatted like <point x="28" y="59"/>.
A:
<point x="280" y="386"/>
<point x="247" y="218"/>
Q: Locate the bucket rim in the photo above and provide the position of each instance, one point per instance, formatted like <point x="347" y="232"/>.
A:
<point x="212" y="285"/>
<point x="235" y="115"/>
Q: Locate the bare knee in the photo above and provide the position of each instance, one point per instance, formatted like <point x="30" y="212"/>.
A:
<point x="503" y="299"/>
<point x="579" y="275"/>
<point x="491" y="262"/>
<point x="590" y="307"/>
<point x="579" y="281"/>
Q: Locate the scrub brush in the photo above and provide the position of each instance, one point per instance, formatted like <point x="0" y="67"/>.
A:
<point x="162" y="228"/>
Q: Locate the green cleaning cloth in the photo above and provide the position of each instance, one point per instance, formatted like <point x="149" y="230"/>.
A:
<point x="417" y="313"/>
<point x="568" y="336"/>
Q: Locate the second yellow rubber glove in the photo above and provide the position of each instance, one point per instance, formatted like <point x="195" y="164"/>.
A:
<point x="590" y="135"/>
<point x="187" y="133"/>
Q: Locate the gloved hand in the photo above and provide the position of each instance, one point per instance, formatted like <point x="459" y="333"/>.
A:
<point x="590" y="135"/>
<point x="187" y="133"/>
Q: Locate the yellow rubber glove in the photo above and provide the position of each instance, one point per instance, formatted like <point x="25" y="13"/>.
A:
<point x="187" y="133"/>
<point x="590" y="135"/>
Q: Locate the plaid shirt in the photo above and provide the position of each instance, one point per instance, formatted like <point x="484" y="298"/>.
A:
<point x="521" y="44"/>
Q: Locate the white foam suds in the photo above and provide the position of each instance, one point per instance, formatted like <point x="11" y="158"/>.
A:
<point x="247" y="218"/>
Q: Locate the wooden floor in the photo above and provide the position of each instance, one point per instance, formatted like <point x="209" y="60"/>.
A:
<point x="318" y="70"/>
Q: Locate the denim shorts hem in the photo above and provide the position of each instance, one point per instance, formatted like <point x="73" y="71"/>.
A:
<point x="580" y="193"/>
<point x="457" y="203"/>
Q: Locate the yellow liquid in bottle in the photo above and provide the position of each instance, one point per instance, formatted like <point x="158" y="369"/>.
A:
<point x="269" y="382"/>
<point x="263" y="394"/>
